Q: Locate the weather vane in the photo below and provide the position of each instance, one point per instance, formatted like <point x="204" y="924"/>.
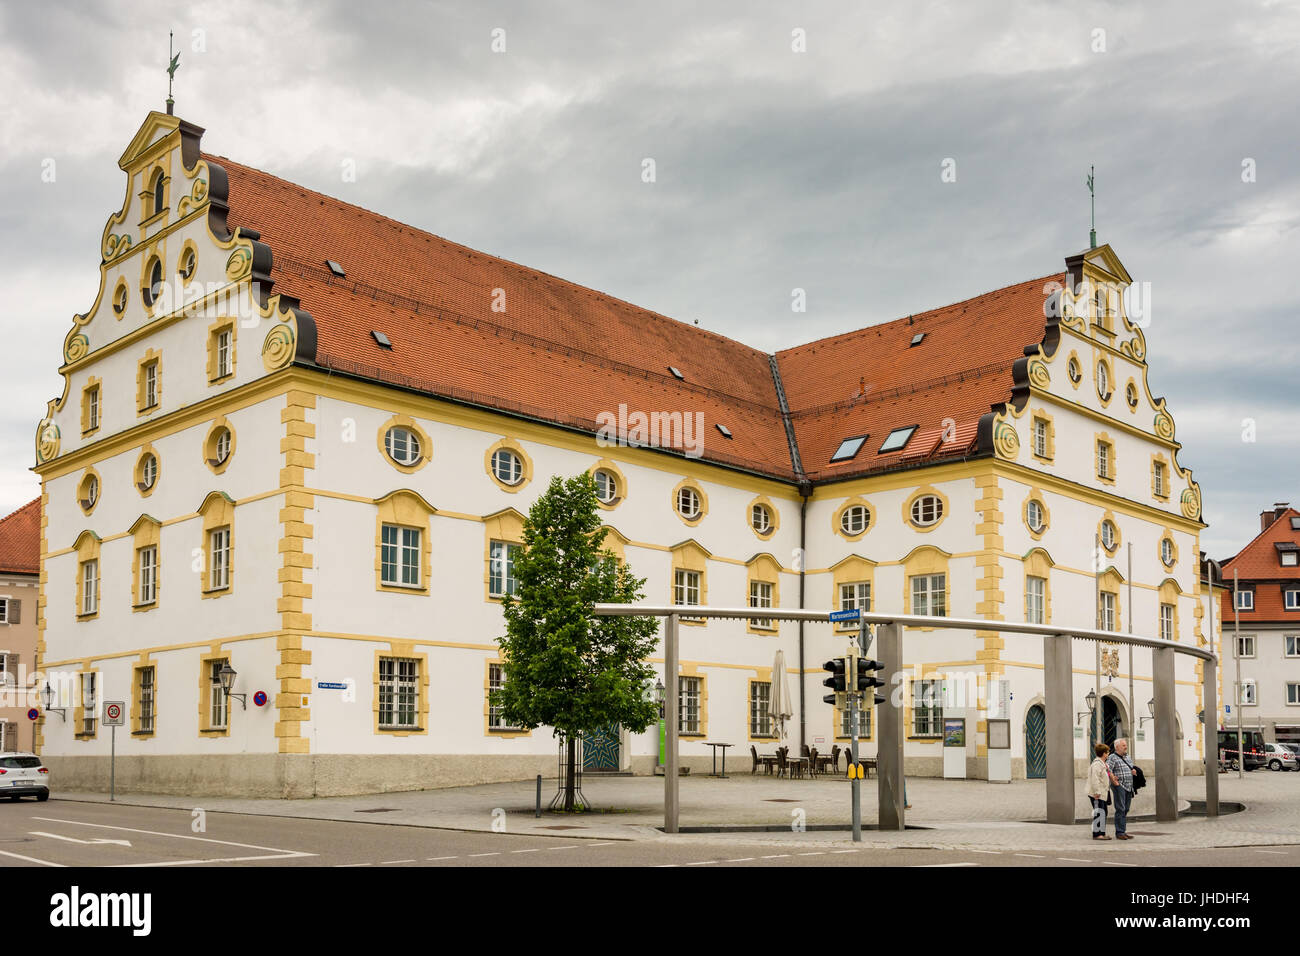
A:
<point x="1092" y="194"/>
<point x="172" y="67"/>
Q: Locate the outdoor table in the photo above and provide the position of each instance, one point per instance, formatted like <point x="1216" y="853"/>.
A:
<point x="793" y="763"/>
<point x="715" y="747"/>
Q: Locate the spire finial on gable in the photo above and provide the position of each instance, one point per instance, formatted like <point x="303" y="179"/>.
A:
<point x="1092" y="195"/>
<point x="172" y="66"/>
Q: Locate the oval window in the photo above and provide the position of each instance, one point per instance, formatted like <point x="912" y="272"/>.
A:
<point x="221" y="450"/>
<point x="1132" y="395"/>
<point x="1073" y="370"/>
<point x="761" y="519"/>
<point x="119" y="300"/>
<point x="1167" y="552"/>
<point x="153" y="289"/>
<point x="606" y="486"/>
<point x="188" y="264"/>
<point x="148" y="472"/>
<point x="89" y="493"/>
<point x="1103" y="381"/>
<point x="402" y="445"/>
<point x="855" y="519"/>
<point x="688" y="503"/>
<point x="507" y="467"/>
<point x="1034" y="514"/>
<point x="927" y="510"/>
<point x="1108" y="535"/>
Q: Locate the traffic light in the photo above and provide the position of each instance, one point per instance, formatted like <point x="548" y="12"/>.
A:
<point x="867" y="679"/>
<point x="836" y="681"/>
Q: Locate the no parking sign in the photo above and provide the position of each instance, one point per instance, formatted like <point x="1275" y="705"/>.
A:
<point x="33" y="714"/>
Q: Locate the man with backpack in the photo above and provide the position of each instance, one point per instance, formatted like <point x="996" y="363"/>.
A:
<point x="1128" y="780"/>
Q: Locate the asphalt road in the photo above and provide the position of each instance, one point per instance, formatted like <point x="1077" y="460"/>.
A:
<point x="68" y="833"/>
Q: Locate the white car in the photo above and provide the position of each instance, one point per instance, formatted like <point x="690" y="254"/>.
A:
<point x="1280" y="758"/>
<point x="23" y="775"/>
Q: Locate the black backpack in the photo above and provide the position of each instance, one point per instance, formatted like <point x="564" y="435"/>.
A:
<point x="1139" y="779"/>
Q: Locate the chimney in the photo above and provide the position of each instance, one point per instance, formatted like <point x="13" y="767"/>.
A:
<point x="1266" y="518"/>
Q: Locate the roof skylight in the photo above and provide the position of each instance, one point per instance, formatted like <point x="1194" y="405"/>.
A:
<point x="726" y="432"/>
<point x="848" y="448"/>
<point x="381" y="339"/>
<point x="898" y="438"/>
<point x="916" y="339"/>
<point x="677" y="373"/>
<point x="335" y="268"/>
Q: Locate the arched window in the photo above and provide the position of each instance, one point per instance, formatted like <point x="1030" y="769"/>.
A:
<point x="158" y="193"/>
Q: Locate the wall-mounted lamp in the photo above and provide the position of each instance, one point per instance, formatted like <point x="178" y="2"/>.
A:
<point x="47" y="698"/>
<point x="228" y="675"/>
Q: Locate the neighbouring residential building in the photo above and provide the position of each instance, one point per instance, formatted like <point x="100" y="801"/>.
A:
<point x="1263" y="630"/>
<point x="20" y="567"/>
<point x="297" y="440"/>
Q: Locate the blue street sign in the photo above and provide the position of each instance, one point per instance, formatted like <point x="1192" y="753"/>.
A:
<point x="330" y="685"/>
<point x="853" y="614"/>
<point x="1227" y="708"/>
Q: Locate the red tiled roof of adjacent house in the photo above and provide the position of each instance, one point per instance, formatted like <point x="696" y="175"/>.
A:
<point x="20" y="540"/>
<point x="565" y="354"/>
<point x="1259" y="564"/>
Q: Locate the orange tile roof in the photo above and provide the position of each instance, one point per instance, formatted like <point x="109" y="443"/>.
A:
<point x="1259" y="565"/>
<point x="20" y="540"/>
<point x="565" y="354"/>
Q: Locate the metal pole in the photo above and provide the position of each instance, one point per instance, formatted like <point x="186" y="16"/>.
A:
<point x="1058" y="682"/>
<point x="671" y="718"/>
<point x="1236" y="653"/>
<point x="112" y="765"/>
<point x="538" y="811"/>
<point x="1166" y="743"/>
<point x="1132" y="700"/>
<point x="889" y="749"/>
<point x="1096" y="733"/>
<point x="1210" y="705"/>
<point x="851" y="684"/>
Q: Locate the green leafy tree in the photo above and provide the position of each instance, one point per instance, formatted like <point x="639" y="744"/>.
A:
<point x="565" y="667"/>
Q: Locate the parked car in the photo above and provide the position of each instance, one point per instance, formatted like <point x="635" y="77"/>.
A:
<point x="1280" y="758"/>
<point x="23" y="775"/>
<point x="1295" y="749"/>
<point x="1254" y="747"/>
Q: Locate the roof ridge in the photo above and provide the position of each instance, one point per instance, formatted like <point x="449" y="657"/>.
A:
<point x="918" y="315"/>
<point x="479" y="252"/>
<point x="1251" y="543"/>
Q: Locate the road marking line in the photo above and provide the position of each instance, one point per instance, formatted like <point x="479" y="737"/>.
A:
<point x="391" y="862"/>
<point x="493" y="853"/>
<point x="818" y="853"/>
<point x="773" y="856"/>
<point x="280" y="854"/>
<point x="1070" y="859"/>
<point x="533" y="850"/>
<point x="661" y="866"/>
<point x="740" y="859"/>
<point x="844" y="851"/>
<point x="432" y="858"/>
<point x="342" y="865"/>
<point x="1278" y="852"/>
<point x="1035" y="856"/>
<point x="574" y="847"/>
<point x="930" y="865"/>
<point x="990" y="852"/>
<point x="29" y="859"/>
<point x="55" y="836"/>
<point x="606" y="843"/>
<point x="1113" y="863"/>
<point x="702" y="863"/>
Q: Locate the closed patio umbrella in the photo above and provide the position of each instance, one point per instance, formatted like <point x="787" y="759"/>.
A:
<point x="780" y="704"/>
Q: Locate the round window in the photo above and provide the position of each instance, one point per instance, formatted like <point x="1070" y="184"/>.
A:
<point x="1034" y="513"/>
<point x="1132" y="395"/>
<point x="1108" y="535"/>
<point x="1073" y="370"/>
<point x="153" y="290"/>
<point x="688" y="503"/>
<point x="188" y="264"/>
<point x="761" y="519"/>
<point x="1103" y="381"/>
<point x="855" y="519"/>
<point x="119" y="300"/>
<point x="402" y="445"/>
<point x="507" y="467"/>
<point x="606" y="486"/>
<point x="148" y="472"/>
<point x="927" y="510"/>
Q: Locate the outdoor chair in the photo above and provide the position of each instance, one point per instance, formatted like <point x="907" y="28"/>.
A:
<point x="753" y="752"/>
<point x="812" y="761"/>
<point x="780" y="761"/>
<point x="835" y="758"/>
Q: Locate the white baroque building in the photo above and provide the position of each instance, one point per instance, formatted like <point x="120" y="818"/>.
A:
<point x="297" y="439"/>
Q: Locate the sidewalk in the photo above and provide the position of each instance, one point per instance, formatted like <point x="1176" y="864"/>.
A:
<point x="947" y="814"/>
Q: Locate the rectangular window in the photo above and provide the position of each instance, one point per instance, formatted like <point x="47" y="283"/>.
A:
<point x="1291" y="644"/>
<point x="928" y="595"/>
<point x="760" y="595"/>
<point x="927" y="708"/>
<point x="686" y="590"/>
<point x="1160" y="480"/>
<point x="398" y="689"/>
<point x="1107" y="611"/>
<point x="1289" y="558"/>
<point x="89" y="587"/>
<point x="1292" y="693"/>
<point x="1246" y="693"/>
<point x="1245" y="600"/>
<point x="864" y="721"/>
<point x="1167" y="623"/>
<point x="1246" y="645"/>
<point x="688" y="705"/>
<point x="501" y="569"/>
<point x="1293" y="600"/>
<point x="1103" y="460"/>
<point x="4" y="610"/>
<point x="1040" y="437"/>
<point x="760" y="709"/>
<point x="1035" y="600"/>
<point x="144" y="701"/>
<point x="854" y="596"/>
<point x="92" y="408"/>
<point x="496" y="680"/>
<point x="151" y="385"/>
<point x="89" y="704"/>
<point x="399" y="559"/>
<point x="223" y="353"/>
<point x="219" y="559"/>
<point x="148" y="587"/>
<point x="217" y="709"/>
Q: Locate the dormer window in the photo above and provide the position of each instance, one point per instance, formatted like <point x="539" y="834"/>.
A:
<point x="1288" y="553"/>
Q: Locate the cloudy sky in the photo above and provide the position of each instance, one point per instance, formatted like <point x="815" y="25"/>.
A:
<point x="775" y="168"/>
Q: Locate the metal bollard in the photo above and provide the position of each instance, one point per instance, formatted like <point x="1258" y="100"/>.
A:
<point x="538" y="811"/>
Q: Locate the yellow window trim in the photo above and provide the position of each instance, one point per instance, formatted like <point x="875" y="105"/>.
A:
<point x="699" y="492"/>
<point x="151" y="357"/>
<point x="214" y="330"/>
<point x="606" y="464"/>
<point x="1038" y="564"/>
<point x="210" y="446"/>
<point x="145" y="662"/>
<point x="95" y="385"/>
<point x="501" y="733"/>
<point x="853" y="569"/>
<point x="146" y="533"/>
<point x="1036" y="494"/>
<point x="404" y="509"/>
<point x="526" y="464"/>
<point x="838" y="517"/>
<point x="693" y="670"/>
<point x="690" y="555"/>
<point x="88" y="549"/>
<point x="205" y="695"/>
<point x="763" y="569"/>
<point x="1050" y="457"/>
<point x="410" y="424"/>
<point x="922" y="492"/>
<point x="138" y="471"/>
<point x="404" y="649"/>
<point x="217" y="511"/>
<point x="1112" y="458"/>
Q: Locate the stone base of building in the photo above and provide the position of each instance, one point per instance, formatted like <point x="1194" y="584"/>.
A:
<point x="291" y="776"/>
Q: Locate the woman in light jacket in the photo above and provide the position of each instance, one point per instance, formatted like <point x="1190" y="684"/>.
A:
<point x="1099" y="784"/>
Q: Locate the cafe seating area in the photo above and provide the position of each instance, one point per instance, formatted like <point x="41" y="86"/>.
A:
<point x="809" y="763"/>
